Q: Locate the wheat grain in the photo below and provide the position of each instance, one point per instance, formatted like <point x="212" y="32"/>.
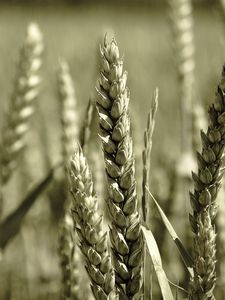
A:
<point x="203" y="200"/>
<point x="21" y="106"/>
<point x="93" y="243"/>
<point x="126" y="238"/>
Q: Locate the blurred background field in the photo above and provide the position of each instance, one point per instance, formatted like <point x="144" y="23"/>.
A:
<point x="74" y="31"/>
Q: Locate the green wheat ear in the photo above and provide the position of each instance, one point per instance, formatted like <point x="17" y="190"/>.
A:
<point x="126" y="237"/>
<point x="21" y="108"/>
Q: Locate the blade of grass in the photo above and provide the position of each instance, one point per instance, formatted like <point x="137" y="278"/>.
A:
<point x="187" y="259"/>
<point x="11" y="225"/>
<point x="157" y="263"/>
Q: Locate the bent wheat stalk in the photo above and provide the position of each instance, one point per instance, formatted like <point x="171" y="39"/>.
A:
<point x="203" y="200"/>
<point x="88" y="223"/>
<point x="125" y="233"/>
<point x="21" y="106"/>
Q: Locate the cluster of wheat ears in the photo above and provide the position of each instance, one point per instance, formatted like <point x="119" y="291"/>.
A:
<point x="116" y="261"/>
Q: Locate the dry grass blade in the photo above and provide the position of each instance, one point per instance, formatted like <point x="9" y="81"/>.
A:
<point x="126" y="237"/>
<point x="157" y="263"/>
<point x="184" y="254"/>
<point x="203" y="200"/>
<point x="147" y="152"/>
<point x="21" y="106"/>
<point x="88" y="223"/>
<point x="11" y="225"/>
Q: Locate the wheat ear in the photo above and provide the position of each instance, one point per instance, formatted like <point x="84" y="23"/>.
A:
<point x="68" y="250"/>
<point x="21" y="106"/>
<point x="203" y="200"/>
<point x="147" y="152"/>
<point x="88" y="222"/>
<point x="182" y="29"/>
<point x="112" y="105"/>
<point x="68" y="103"/>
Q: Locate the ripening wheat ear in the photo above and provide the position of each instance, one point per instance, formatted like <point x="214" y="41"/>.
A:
<point x="203" y="200"/>
<point x="93" y="242"/>
<point x="68" y="250"/>
<point x="26" y="89"/>
<point x="182" y="28"/>
<point x="126" y="237"/>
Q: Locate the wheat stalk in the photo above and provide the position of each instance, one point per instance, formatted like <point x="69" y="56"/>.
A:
<point x="203" y="200"/>
<point x="126" y="238"/>
<point x="21" y="106"/>
<point x="93" y="242"/>
<point x="147" y="152"/>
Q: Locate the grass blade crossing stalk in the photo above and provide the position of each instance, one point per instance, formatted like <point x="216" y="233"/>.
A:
<point x="125" y="233"/>
<point x="21" y="106"/>
<point x="93" y="242"/>
<point x="184" y="255"/>
<point x="203" y="200"/>
<point x="147" y="153"/>
<point x="157" y="263"/>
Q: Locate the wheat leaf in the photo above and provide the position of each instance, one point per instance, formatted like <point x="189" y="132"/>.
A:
<point x="157" y="263"/>
<point x="11" y="225"/>
<point x="187" y="259"/>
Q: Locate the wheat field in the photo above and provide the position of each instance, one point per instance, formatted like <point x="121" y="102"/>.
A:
<point x="103" y="107"/>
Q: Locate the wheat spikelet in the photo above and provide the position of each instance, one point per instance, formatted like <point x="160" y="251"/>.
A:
<point x="147" y="152"/>
<point x="21" y="106"/>
<point x="182" y="28"/>
<point x="93" y="242"/>
<point x="126" y="238"/>
<point x="203" y="200"/>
